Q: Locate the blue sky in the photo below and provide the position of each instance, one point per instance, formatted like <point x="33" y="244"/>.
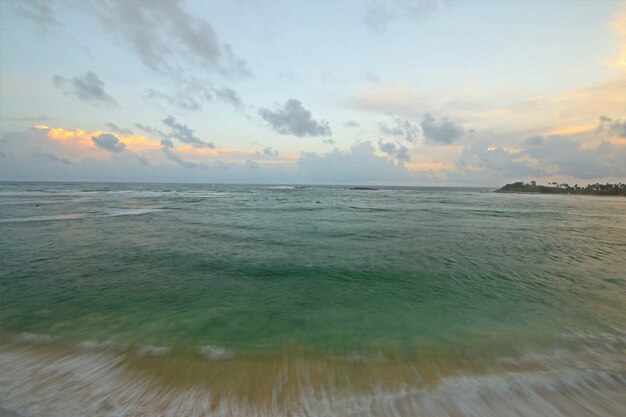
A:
<point x="393" y="92"/>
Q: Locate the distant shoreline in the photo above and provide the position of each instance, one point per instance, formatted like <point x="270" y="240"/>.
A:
<point x="596" y="190"/>
<point x="570" y="194"/>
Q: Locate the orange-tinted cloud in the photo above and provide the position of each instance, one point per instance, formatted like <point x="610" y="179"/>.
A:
<point x="80" y="137"/>
<point x="79" y="143"/>
<point x="429" y="166"/>
<point x="570" y="130"/>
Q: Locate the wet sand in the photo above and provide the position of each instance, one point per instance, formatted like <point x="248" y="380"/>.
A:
<point x="47" y="381"/>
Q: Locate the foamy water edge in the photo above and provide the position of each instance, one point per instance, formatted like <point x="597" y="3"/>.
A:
<point x="98" y="382"/>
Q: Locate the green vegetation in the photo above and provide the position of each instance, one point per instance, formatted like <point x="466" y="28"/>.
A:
<point x="554" y="188"/>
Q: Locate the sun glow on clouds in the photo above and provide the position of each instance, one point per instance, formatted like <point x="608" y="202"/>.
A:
<point x="570" y="130"/>
<point x="618" y="26"/>
<point x="79" y="143"/>
<point x="133" y="143"/>
<point x="429" y="166"/>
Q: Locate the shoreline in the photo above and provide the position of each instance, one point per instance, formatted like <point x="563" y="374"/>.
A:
<point x="112" y="383"/>
<point x="564" y="194"/>
<point x="596" y="190"/>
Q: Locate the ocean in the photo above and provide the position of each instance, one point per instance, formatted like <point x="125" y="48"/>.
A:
<point x="255" y="300"/>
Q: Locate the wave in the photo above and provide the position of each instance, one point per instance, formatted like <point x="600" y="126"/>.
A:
<point x="105" y="383"/>
<point x="215" y="352"/>
<point x="131" y="212"/>
<point x="96" y="345"/>
<point x="28" y="337"/>
<point x="68" y="216"/>
<point x="80" y="216"/>
<point x="82" y="194"/>
<point x="150" y="350"/>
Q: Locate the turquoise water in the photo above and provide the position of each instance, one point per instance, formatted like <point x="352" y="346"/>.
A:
<point x="237" y="271"/>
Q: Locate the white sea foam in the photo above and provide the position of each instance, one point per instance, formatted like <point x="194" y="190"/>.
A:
<point x="205" y="194"/>
<point x="150" y="350"/>
<point x="79" y="216"/>
<point x="28" y="337"/>
<point x="96" y="345"/>
<point x="215" y="352"/>
<point x="68" y="216"/>
<point x="99" y="384"/>
<point x="131" y="212"/>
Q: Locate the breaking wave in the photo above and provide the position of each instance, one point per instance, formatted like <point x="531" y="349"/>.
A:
<point x="109" y="383"/>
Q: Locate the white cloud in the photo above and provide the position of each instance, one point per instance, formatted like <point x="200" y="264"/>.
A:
<point x="358" y="165"/>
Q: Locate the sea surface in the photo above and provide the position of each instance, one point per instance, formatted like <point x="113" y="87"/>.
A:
<point x="251" y="300"/>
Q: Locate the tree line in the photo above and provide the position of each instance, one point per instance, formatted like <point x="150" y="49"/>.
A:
<point x="555" y="188"/>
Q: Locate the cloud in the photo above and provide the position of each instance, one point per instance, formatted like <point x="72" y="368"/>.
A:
<point x="51" y="157"/>
<point x="193" y="94"/>
<point x="67" y="155"/>
<point x="293" y="119"/>
<point x="252" y="164"/>
<point x="183" y="133"/>
<point x="54" y="153"/>
<point x="180" y="99"/>
<point x="614" y="126"/>
<point x="533" y="141"/>
<point x="167" y="142"/>
<point x="74" y="147"/>
<point x="497" y="161"/>
<point x="351" y="124"/>
<point x="270" y="152"/>
<point x="569" y="157"/>
<point x="115" y="128"/>
<point x="152" y="131"/>
<point x="109" y="142"/>
<point x="328" y="141"/>
<point x="86" y="87"/>
<point x="229" y="95"/>
<point x="443" y="132"/>
<point x="41" y="13"/>
<point x="58" y="154"/>
<point x="379" y="15"/>
<point x="167" y="148"/>
<point x="76" y="144"/>
<point x="358" y="165"/>
<point x="401" y="127"/>
<point x="543" y="156"/>
<point x="399" y="152"/>
<point x="164" y="34"/>
<point x="173" y="156"/>
<point x="142" y="159"/>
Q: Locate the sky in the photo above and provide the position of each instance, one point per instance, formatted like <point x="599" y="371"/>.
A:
<point x="429" y="93"/>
